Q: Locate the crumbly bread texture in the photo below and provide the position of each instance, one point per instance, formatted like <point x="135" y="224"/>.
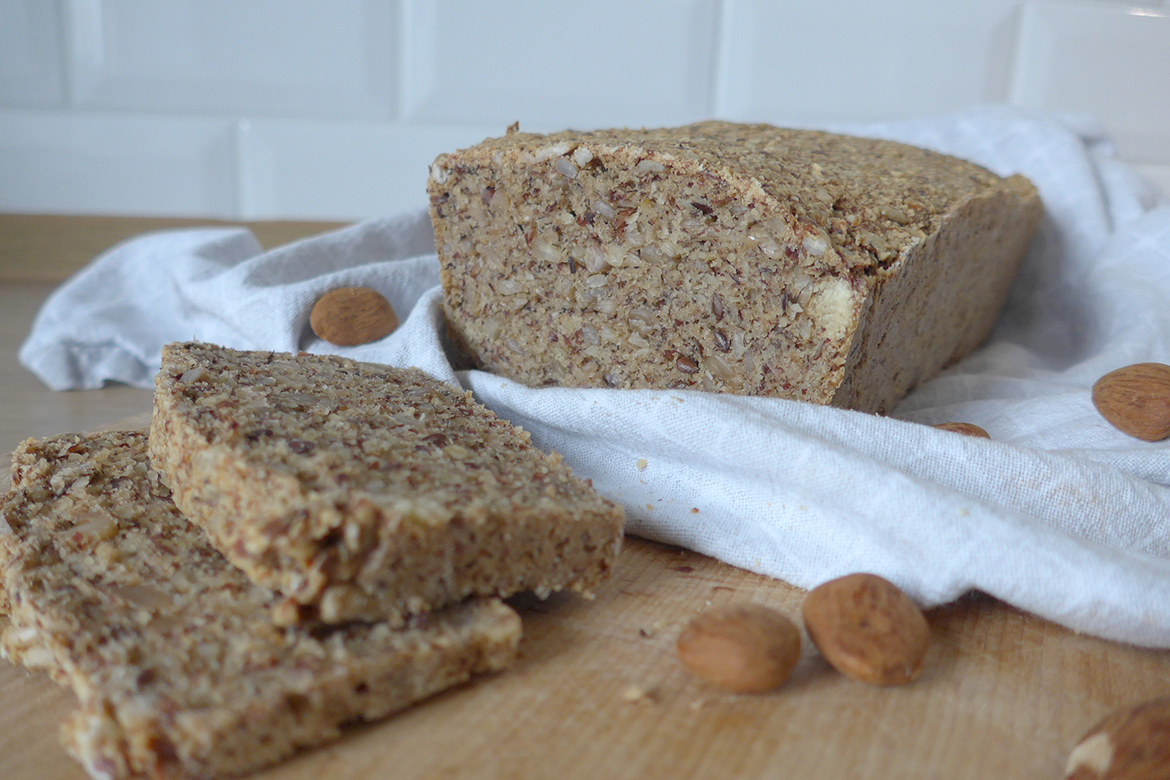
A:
<point x="744" y="259"/>
<point x="179" y="670"/>
<point x="365" y="491"/>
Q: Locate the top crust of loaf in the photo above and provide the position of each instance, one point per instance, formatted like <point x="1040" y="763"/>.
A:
<point x="868" y="197"/>
<point x="733" y="258"/>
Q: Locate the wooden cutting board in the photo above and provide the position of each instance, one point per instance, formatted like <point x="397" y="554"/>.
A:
<point x="598" y="692"/>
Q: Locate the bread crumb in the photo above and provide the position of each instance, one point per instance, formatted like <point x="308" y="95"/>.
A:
<point x="638" y="693"/>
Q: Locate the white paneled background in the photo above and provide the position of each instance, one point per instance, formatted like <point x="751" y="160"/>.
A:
<point x="271" y="109"/>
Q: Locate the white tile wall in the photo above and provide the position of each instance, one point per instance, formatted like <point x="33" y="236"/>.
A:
<point x="810" y="63"/>
<point x="30" y="54"/>
<point x="91" y="163"/>
<point x="341" y="170"/>
<point x="1108" y="60"/>
<point x="285" y="57"/>
<point x="296" y="108"/>
<point x="584" y="64"/>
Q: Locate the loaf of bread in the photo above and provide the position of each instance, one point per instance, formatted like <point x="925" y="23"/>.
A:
<point x="731" y="258"/>
<point x="362" y="491"/>
<point x="171" y="651"/>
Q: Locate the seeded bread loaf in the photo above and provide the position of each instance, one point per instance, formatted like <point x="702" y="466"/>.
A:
<point x="179" y="670"/>
<point x="362" y="491"/>
<point x="743" y="259"/>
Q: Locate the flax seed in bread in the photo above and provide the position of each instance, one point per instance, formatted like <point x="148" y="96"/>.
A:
<point x="171" y="651"/>
<point x="744" y="259"/>
<point x="365" y="491"/>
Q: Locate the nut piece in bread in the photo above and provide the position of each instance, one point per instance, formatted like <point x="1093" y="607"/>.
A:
<point x="743" y="259"/>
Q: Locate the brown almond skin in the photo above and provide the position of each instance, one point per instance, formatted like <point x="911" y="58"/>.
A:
<point x="349" y="316"/>
<point x="1130" y="744"/>
<point x="1136" y="400"/>
<point x="868" y="629"/>
<point x="968" y="429"/>
<point x="744" y="648"/>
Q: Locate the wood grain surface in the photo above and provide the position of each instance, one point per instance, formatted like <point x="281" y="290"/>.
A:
<point x="50" y="247"/>
<point x="598" y="690"/>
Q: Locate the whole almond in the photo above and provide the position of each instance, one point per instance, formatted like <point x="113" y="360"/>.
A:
<point x="968" y="429"/>
<point x="867" y="628"/>
<point x="745" y="648"/>
<point x="348" y="316"/>
<point x="1136" y="400"/>
<point x="1130" y="744"/>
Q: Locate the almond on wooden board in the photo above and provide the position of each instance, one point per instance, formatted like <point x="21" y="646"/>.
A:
<point x="349" y="316"/>
<point x="867" y="628"/>
<point x="745" y="648"/>
<point x="1129" y="744"/>
<point x="968" y="429"/>
<point x="1136" y="400"/>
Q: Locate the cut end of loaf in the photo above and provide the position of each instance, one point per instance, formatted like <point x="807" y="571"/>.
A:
<point x="606" y="265"/>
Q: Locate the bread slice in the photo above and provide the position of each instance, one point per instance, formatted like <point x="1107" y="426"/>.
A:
<point x="171" y="651"/>
<point x="743" y="259"/>
<point x="365" y="491"/>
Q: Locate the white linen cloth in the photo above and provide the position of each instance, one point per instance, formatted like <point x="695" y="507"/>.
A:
<point x="1059" y="514"/>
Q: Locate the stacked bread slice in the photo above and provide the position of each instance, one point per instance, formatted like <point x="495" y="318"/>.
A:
<point x="300" y="542"/>
<point x="361" y="491"/>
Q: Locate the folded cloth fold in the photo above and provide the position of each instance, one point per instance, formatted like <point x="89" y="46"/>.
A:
<point x="1058" y="514"/>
